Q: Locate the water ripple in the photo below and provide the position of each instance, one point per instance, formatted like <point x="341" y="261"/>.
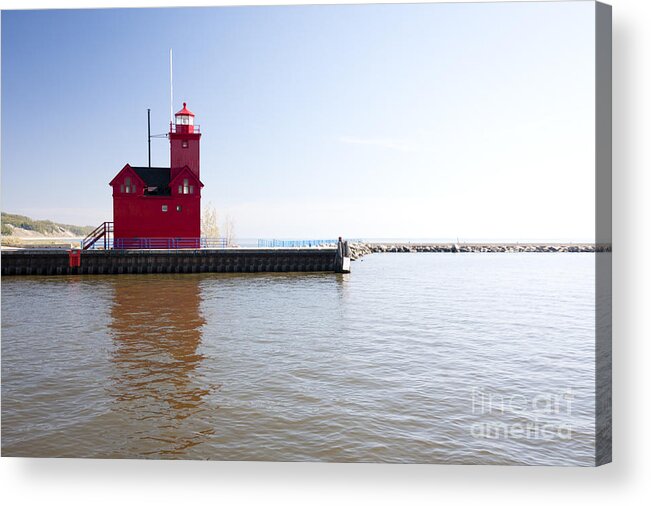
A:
<point x="472" y="359"/>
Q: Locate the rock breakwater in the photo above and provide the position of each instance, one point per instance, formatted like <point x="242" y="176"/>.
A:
<point x="358" y="250"/>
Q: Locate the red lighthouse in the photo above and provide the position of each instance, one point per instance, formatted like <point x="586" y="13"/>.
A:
<point x="160" y="207"/>
<point x="184" y="143"/>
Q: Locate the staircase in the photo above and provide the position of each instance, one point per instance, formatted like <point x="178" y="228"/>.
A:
<point x="104" y="231"/>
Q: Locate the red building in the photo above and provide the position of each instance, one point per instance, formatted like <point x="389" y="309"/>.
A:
<point x="159" y="207"/>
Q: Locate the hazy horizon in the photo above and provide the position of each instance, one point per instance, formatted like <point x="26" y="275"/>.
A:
<point x="366" y="121"/>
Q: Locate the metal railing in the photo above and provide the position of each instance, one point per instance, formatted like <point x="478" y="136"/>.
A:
<point x="167" y="243"/>
<point x="183" y="129"/>
<point x="103" y="231"/>
<point x="305" y="243"/>
<point x="156" y="243"/>
<point x="216" y="243"/>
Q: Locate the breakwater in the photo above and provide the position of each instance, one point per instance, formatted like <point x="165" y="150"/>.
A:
<point x="58" y="262"/>
<point x="358" y="250"/>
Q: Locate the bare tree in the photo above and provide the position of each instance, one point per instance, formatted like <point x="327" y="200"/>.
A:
<point x="229" y="230"/>
<point x="209" y="223"/>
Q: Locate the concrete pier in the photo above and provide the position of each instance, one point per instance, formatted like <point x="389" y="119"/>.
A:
<point x="56" y="262"/>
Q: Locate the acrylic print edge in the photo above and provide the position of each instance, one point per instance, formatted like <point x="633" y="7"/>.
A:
<point x="603" y="233"/>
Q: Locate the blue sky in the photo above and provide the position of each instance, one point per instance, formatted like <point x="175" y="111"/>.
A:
<point x="425" y="121"/>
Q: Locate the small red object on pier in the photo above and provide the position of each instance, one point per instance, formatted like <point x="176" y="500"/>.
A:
<point x="74" y="257"/>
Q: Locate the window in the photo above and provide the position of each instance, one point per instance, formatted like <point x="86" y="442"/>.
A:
<point x="127" y="187"/>
<point x="184" y="144"/>
<point x="164" y="208"/>
<point x="178" y="208"/>
<point x="186" y="188"/>
<point x="184" y="120"/>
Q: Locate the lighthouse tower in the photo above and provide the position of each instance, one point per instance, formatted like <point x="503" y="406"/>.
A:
<point x="160" y="207"/>
<point x="184" y="143"/>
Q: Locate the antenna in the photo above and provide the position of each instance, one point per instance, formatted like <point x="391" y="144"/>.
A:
<point x="149" y="134"/>
<point x="160" y="136"/>
<point x="171" y="93"/>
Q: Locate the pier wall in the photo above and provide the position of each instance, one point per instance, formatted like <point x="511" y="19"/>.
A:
<point x="56" y="262"/>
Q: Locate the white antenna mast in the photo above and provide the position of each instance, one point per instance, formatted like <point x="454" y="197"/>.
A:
<point x="171" y="92"/>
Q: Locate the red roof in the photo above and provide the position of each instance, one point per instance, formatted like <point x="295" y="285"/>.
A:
<point x="184" y="112"/>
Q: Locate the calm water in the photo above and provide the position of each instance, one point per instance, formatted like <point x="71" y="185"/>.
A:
<point x="439" y="358"/>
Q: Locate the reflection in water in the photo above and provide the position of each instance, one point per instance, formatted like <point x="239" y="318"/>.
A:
<point x="156" y="328"/>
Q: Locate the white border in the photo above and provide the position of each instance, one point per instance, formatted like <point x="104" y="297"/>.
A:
<point x="69" y="481"/>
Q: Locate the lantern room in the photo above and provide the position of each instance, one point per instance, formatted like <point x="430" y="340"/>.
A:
<point x="184" y="121"/>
